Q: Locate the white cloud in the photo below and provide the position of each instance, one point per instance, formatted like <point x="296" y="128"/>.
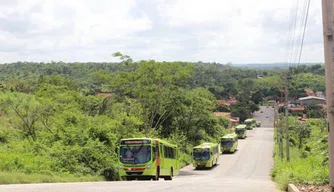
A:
<point x="238" y="31"/>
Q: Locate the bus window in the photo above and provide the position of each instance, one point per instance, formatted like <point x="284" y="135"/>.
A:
<point x="135" y="154"/>
<point x="157" y="149"/>
<point x="162" y="153"/>
<point x="154" y="154"/>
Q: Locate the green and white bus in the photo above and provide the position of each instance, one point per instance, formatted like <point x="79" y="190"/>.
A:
<point x="147" y="158"/>
<point x="229" y="143"/>
<point x="250" y="123"/>
<point x="205" y="155"/>
<point x="241" y="131"/>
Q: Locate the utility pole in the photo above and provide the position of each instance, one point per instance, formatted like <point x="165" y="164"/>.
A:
<point x="277" y="127"/>
<point x="287" y="136"/>
<point x="328" y="24"/>
<point x="281" y="137"/>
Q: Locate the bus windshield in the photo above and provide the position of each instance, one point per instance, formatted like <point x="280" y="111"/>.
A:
<point x="227" y="143"/>
<point x="138" y="154"/>
<point x="201" y="155"/>
<point x="240" y="131"/>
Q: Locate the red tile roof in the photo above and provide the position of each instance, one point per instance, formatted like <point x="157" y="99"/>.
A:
<point x="300" y="108"/>
<point x="223" y="103"/>
<point x="309" y="92"/>
<point x="103" y="94"/>
<point x="222" y="114"/>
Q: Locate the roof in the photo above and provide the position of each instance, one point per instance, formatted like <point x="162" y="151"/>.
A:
<point x="249" y="120"/>
<point x="300" y="108"/>
<point x="223" y="103"/>
<point x="230" y="135"/>
<point x="151" y="139"/>
<point x="228" y="102"/>
<point x="309" y="92"/>
<point x="233" y="120"/>
<point x="103" y="94"/>
<point x="224" y="114"/>
<point x="241" y="126"/>
<point x="311" y="97"/>
<point x="205" y="145"/>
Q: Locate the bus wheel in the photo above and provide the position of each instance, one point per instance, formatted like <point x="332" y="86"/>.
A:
<point x="171" y="175"/>
<point x="156" y="177"/>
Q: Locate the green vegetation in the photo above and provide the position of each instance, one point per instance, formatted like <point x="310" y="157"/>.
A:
<point x="308" y="155"/>
<point x="55" y="126"/>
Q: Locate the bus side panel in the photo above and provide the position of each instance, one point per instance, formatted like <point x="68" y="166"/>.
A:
<point x="176" y="163"/>
<point x="164" y="161"/>
<point x="158" y="159"/>
<point x="170" y="163"/>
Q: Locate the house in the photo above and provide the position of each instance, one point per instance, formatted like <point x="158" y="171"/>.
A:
<point x="233" y="121"/>
<point x="232" y="100"/>
<point x="309" y="92"/>
<point x="259" y="76"/>
<point x="103" y="94"/>
<point x="319" y="94"/>
<point x="311" y="100"/>
<point x="227" y="103"/>
<point x="223" y="103"/>
<point x="296" y="109"/>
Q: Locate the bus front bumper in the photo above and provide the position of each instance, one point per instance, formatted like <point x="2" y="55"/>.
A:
<point x="136" y="171"/>
<point x="201" y="164"/>
<point x="228" y="149"/>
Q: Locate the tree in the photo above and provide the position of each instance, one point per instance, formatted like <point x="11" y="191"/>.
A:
<point x="303" y="130"/>
<point x="26" y="110"/>
<point x="257" y="97"/>
<point x="154" y="85"/>
<point x="241" y="110"/>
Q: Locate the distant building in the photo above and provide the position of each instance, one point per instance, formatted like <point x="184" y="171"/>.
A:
<point x="311" y="100"/>
<point x="103" y="94"/>
<point x="223" y="103"/>
<point x="232" y="120"/>
<point x="259" y="76"/>
<point x="319" y="94"/>
<point x="296" y="109"/>
<point x="227" y="103"/>
<point x="309" y="92"/>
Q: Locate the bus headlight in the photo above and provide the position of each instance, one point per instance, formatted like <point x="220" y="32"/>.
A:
<point x="148" y="166"/>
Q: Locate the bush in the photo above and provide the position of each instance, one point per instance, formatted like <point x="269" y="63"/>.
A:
<point x="308" y="164"/>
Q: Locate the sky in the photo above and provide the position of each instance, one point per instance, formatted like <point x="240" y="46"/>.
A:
<point x="222" y="31"/>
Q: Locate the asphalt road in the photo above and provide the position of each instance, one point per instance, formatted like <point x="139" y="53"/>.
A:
<point x="247" y="169"/>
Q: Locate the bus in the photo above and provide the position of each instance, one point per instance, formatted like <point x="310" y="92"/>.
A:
<point x="241" y="131"/>
<point x="250" y="123"/>
<point x="147" y="158"/>
<point x="229" y="143"/>
<point x="205" y="155"/>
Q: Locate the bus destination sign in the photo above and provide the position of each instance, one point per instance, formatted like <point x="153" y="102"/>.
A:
<point x="127" y="142"/>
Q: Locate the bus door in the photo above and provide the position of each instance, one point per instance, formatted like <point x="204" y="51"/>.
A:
<point x="176" y="157"/>
<point x="162" y="158"/>
<point x="157" y="153"/>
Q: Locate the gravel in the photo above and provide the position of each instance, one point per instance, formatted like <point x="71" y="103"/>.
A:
<point x="313" y="188"/>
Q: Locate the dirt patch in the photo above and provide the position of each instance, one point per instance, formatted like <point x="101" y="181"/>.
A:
<point x="313" y="188"/>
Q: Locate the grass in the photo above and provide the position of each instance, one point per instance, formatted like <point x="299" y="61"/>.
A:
<point x="20" y="178"/>
<point x="307" y="165"/>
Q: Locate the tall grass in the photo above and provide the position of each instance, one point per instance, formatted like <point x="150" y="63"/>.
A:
<point x="19" y="177"/>
<point x="308" y="164"/>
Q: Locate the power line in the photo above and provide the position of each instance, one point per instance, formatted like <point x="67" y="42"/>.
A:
<point x="294" y="33"/>
<point x="302" y="43"/>
<point x="300" y="23"/>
